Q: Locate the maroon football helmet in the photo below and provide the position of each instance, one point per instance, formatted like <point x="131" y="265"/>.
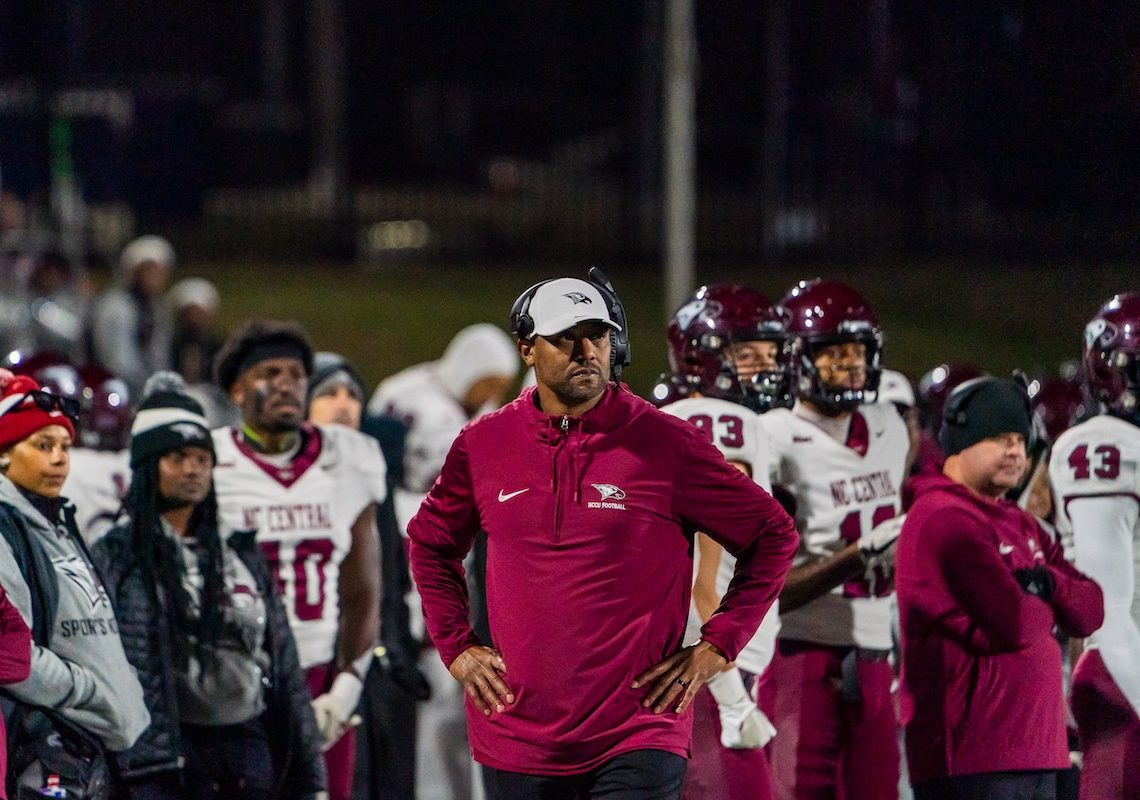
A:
<point x="104" y="410"/>
<point x="669" y="389"/>
<point x="821" y="313"/>
<point x="935" y="386"/>
<point x="1111" y="354"/>
<point x="1057" y="404"/>
<point x="714" y="318"/>
<point x="50" y="370"/>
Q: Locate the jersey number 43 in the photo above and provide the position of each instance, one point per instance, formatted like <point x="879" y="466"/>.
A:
<point x="1104" y="462"/>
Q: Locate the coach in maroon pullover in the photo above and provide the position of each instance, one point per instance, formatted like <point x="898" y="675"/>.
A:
<point x="590" y="498"/>
<point x="980" y="587"/>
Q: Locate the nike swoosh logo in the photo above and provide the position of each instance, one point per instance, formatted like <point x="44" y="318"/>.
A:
<point x="1005" y="549"/>
<point x="505" y="497"/>
<point x="880" y="433"/>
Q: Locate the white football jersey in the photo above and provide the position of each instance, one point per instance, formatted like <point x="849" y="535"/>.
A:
<point x="303" y="512"/>
<point x="840" y="495"/>
<point x="738" y="433"/>
<point x="433" y="418"/>
<point x="418" y="398"/>
<point x="1094" y="470"/>
<point x="97" y="481"/>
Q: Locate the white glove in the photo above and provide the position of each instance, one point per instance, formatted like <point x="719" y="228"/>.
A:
<point x="743" y="726"/>
<point x="334" y="709"/>
<point x="878" y="546"/>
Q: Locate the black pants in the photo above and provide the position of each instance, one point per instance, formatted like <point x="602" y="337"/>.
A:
<point x="637" y="775"/>
<point x="991" y="786"/>
<point x="386" y="741"/>
<point x="230" y="762"/>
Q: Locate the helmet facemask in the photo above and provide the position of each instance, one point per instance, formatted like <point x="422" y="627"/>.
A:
<point x="1111" y="356"/>
<point x="706" y="330"/>
<point x="833" y="399"/>
<point x="759" y="391"/>
<point x="1116" y="381"/>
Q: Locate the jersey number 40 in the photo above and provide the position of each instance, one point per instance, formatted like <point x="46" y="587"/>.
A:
<point x="301" y="575"/>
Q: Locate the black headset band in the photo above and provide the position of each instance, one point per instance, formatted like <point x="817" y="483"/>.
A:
<point x="522" y="325"/>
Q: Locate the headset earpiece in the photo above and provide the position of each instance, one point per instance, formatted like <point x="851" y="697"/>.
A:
<point x="522" y="325"/>
<point x="954" y="414"/>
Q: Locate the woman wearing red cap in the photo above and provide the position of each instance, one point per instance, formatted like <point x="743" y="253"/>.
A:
<point x="79" y="672"/>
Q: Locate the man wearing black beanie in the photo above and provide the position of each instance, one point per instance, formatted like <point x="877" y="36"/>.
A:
<point x="980" y="588"/>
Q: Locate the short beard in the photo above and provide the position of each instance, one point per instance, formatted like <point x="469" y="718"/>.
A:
<point x="570" y="395"/>
<point x="279" y="426"/>
<point x="268" y="425"/>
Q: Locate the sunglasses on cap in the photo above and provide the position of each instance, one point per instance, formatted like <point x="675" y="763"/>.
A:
<point x="48" y="402"/>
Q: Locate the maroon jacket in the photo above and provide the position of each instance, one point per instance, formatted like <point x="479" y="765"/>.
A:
<point x="981" y="670"/>
<point x="15" y="663"/>
<point x="590" y="526"/>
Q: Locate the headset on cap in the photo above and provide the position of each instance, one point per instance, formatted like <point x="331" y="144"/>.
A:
<point x="523" y="326"/>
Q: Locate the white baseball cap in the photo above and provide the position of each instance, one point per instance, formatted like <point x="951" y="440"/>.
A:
<point x="562" y="303"/>
<point x="144" y="249"/>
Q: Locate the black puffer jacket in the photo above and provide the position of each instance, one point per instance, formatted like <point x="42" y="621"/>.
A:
<point x="289" y="721"/>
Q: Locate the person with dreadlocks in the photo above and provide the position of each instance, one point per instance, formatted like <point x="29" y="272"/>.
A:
<point x="201" y="622"/>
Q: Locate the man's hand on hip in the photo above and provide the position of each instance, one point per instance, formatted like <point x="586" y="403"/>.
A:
<point x="480" y="670"/>
<point x="679" y="677"/>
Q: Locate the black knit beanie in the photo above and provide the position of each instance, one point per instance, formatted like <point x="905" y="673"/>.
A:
<point x="167" y="420"/>
<point x="329" y="367"/>
<point x="983" y="408"/>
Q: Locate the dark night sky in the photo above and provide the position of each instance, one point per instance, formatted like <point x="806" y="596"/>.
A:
<point x="1026" y="104"/>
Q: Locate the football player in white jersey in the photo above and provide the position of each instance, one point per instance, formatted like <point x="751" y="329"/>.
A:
<point x="727" y="356"/>
<point x="842" y="457"/>
<point x="310" y="492"/>
<point x="436" y="399"/>
<point x="1094" y="469"/>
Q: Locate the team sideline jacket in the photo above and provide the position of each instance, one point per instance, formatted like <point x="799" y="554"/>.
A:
<point x="981" y="671"/>
<point x="589" y="525"/>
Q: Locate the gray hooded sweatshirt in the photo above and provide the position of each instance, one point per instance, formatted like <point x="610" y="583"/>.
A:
<point x="85" y="675"/>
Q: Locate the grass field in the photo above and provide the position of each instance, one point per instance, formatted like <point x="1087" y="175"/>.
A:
<point x="999" y="317"/>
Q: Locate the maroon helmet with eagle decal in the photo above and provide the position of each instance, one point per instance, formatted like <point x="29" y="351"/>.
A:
<point x="701" y="339"/>
<point x="1111" y="354"/>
